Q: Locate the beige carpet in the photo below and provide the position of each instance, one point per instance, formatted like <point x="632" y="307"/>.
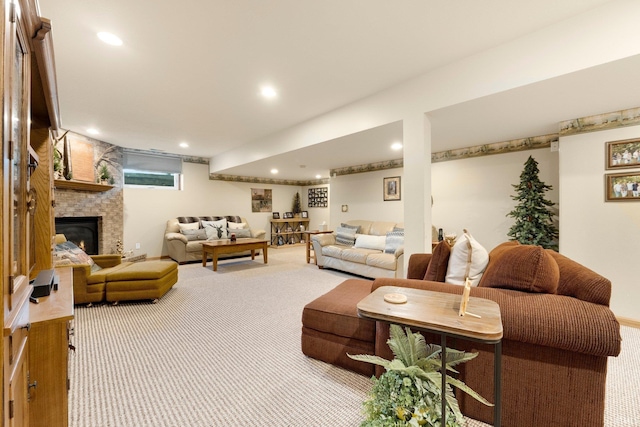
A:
<point x="223" y="349"/>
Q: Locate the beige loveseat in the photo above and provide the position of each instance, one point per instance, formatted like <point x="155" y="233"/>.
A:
<point x="182" y="249"/>
<point x="366" y="256"/>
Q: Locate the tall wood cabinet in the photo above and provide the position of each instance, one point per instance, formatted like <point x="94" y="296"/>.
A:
<point x="29" y="113"/>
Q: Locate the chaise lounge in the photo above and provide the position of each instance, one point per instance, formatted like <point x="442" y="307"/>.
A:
<point x="100" y="278"/>
<point x="555" y="345"/>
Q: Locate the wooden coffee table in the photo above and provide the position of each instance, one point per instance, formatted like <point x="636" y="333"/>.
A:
<point x="437" y="312"/>
<point x="226" y="246"/>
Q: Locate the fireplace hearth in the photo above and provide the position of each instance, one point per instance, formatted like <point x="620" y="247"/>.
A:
<point x="84" y="231"/>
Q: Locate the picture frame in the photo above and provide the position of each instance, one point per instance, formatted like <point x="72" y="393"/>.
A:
<point x="391" y="188"/>
<point x="276" y="215"/>
<point x="288" y="215"/>
<point x="318" y="197"/>
<point x="622" y="187"/>
<point x="622" y="154"/>
<point x="304" y="214"/>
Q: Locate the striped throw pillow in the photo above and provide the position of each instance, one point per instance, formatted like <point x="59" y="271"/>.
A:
<point x="394" y="241"/>
<point x="346" y="236"/>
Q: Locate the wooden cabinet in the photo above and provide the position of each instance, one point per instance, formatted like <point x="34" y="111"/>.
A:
<point x="49" y="354"/>
<point x="29" y="112"/>
<point x="288" y="231"/>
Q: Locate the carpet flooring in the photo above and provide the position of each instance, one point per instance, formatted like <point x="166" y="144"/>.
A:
<point x="223" y="349"/>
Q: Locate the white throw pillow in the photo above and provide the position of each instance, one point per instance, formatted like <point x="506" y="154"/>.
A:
<point x="468" y="257"/>
<point x="189" y="226"/>
<point x="216" y="229"/>
<point x="236" y="225"/>
<point x="366" y="241"/>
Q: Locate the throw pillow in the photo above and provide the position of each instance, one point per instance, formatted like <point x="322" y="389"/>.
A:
<point x="243" y="232"/>
<point x="216" y="229"/>
<point x="366" y="241"/>
<point x="346" y="235"/>
<point x="437" y="268"/>
<point x="524" y="268"/>
<point x="199" y="234"/>
<point x="69" y="251"/>
<point x="354" y="227"/>
<point x="189" y="226"/>
<point x="468" y="259"/>
<point x="394" y="240"/>
<point x="236" y="225"/>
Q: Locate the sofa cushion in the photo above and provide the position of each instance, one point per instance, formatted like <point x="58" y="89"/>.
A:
<point x="437" y="269"/>
<point x="216" y="229"/>
<point x="394" y="240"/>
<point x="332" y="251"/>
<point x="242" y="232"/>
<point x="233" y="218"/>
<point x="363" y="226"/>
<point x="236" y="225"/>
<point x="189" y="226"/>
<point x="578" y="281"/>
<point x="468" y="258"/>
<point x="524" y="268"/>
<point x="346" y="235"/>
<point x="366" y="241"/>
<point x="357" y="255"/>
<point x="381" y="228"/>
<point x="199" y="234"/>
<point x="382" y="260"/>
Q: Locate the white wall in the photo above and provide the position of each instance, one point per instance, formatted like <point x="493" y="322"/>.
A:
<point x="604" y="236"/>
<point x="362" y="192"/>
<point x="146" y="211"/>
<point x="475" y="193"/>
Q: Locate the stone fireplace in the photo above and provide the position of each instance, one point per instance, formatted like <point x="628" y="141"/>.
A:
<point x="106" y="206"/>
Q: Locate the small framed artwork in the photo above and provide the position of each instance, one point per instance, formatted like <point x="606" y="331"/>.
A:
<point x="276" y="215"/>
<point x="304" y="214"/>
<point x="345" y="208"/>
<point x="622" y="187"/>
<point x="391" y="188"/>
<point x="623" y="154"/>
<point x="288" y="215"/>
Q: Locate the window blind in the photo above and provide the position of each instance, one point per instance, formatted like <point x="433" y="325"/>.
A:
<point x="152" y="162"/>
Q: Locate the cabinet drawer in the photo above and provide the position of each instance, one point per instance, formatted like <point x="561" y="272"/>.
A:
<point x="17" y="333"/>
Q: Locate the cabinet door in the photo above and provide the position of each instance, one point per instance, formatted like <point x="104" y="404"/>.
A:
<point x="15" y="158"/>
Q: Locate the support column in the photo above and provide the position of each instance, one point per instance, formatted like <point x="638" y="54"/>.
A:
<point x="417" y="184"/>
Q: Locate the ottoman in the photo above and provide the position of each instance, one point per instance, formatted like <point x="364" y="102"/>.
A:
<point x="148" y="280"/>
<point x="331" y="327"/>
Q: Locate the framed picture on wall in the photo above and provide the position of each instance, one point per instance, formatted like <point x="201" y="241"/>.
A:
<point x="623" y="154"/>
<point x="391" y="188"/>
<point x="622" y="187"/>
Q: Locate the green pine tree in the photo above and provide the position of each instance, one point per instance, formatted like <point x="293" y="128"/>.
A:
<point x="534" y="219"/>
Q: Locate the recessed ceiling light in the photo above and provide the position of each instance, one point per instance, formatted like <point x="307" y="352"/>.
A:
<point x="109" y="38"/>
<point x="184" y="145"/>
<point x="268" y="92"/>
<point x="396" y="146"/>
<point x="93" y="131"/>
<point x="318" y="176"/>
<point x="274" y="171"/>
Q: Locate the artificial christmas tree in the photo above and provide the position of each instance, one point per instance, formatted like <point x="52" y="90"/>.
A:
<point x="534" y="219"/>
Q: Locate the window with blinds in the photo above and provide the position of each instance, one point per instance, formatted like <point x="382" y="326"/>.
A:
<point x="152" y="171"/>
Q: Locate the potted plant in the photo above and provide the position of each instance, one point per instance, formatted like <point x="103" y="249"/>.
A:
<point x="104" y="175"/>
<point x="295" y="208"/>
<point x="409" y="393"/>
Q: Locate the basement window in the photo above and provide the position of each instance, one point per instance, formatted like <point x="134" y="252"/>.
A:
<point x="143" y="170"/>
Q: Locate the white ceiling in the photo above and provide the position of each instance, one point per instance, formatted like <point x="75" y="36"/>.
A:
<point x="191" y="71"/>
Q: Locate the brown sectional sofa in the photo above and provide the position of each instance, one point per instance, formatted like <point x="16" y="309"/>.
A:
<point x="555" y="344"/>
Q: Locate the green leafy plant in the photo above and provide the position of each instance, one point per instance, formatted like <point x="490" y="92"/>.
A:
<point x="534" y="219"/>
<point x="410" y="393"/>
<point x="104" y="173"/>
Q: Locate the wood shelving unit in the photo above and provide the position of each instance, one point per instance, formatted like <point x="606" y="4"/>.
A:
<point x="288" y="232"/>
<point x="81" y="185"/>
